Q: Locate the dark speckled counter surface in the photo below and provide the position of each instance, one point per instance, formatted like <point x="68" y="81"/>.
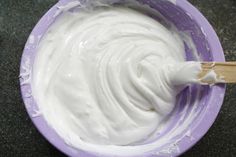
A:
<point x="19" y="137"/>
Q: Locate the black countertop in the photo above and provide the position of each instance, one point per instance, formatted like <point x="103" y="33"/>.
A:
<point x="19" y="137"/>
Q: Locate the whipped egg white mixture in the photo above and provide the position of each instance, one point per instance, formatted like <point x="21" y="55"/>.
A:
<point x="107" y="79"/>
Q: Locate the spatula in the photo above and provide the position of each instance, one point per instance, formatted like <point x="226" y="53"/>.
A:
<point x="224" y="72"/>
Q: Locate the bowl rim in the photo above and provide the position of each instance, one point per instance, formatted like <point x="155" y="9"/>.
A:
<point x="199" y="131"/>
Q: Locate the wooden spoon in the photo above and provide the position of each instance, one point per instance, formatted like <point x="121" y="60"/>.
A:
<point x="224" y="72"/>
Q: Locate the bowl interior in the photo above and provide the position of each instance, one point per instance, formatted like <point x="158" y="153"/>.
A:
<point x="197" y="106"/>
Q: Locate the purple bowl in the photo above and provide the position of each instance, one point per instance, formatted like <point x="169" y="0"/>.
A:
<point x="186" y="18"/>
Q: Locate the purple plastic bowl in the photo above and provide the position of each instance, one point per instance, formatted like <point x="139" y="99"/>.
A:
<point x="186" y="18"/>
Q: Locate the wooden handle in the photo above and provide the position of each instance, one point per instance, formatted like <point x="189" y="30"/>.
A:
<point x="224" y="72"/>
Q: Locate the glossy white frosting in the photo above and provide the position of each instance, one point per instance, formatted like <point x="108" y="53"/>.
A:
<point x="109" y="76"/>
